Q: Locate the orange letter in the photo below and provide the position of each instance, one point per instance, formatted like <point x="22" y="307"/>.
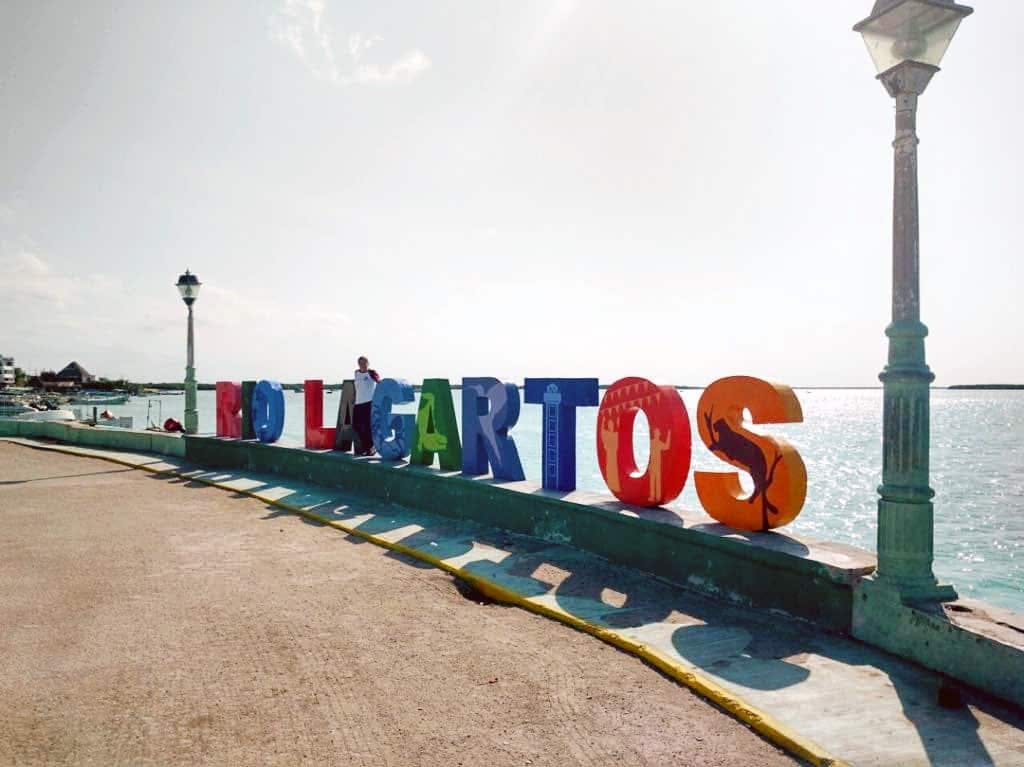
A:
<point x="778" y="472"/>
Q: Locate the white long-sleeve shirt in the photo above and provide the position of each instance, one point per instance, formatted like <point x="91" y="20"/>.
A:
<point x="365" y="386"/>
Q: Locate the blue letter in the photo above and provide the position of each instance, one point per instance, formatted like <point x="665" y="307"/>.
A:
<point x="392" y="391"/>
<point x="560" y="398"/>
<point x="268" y="411"/>
<point x="489" y="409"/>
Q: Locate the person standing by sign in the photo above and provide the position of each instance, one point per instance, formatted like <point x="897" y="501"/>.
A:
<point x="366" y="379"/>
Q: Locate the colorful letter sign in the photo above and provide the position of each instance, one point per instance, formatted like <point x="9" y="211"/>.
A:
<point x="248" y="387"/>
<point x="268" y="411"/>
<point x="392" y="433"/>
<point x="560" y="398"/>
<point x="489" y="409"/>
<point x="436" y="429"/>
<point x="777" y="471"/>
<point x="229" y="405"/>
<point x="318" y="436"/>
<point x="344" y="432"/>
<point x="669" y="462"/>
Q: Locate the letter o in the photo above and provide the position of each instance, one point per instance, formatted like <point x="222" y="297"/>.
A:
<point x="669" y="463"/>
<point x="268" y="411"/>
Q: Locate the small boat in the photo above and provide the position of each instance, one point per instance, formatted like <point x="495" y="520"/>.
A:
<point x="46" y="415"/>
<point x="100" y="399"/>
<point x="11" y="408"/>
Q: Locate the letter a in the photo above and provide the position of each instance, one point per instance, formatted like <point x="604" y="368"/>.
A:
<point x="436" y="429"/>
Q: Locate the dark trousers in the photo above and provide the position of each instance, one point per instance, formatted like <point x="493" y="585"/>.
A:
<point x="361" y="424"/>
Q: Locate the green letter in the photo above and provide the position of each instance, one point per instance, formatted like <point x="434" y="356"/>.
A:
<point x="436" y="429"/>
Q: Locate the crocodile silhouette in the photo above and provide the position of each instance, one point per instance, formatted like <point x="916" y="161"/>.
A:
<point x="745" y="452"/>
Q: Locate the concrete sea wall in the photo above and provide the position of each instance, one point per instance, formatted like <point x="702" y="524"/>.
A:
<point x="828" y="584"/>
<point x="804" y="578"/>
<point x="96" y="436"/>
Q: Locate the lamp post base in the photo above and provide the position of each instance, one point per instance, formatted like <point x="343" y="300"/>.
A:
<point x="915" y="591"/>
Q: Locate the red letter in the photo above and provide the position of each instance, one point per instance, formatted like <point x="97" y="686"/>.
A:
<point x="229" y="405"/>
<point x="669" y="462"/>
<point x="778" y="472"/>
<point x="318" y="436"/>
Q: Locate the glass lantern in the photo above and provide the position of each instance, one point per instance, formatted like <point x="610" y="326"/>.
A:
<point x="911" y="30"/>
<point x="188" y="285"/>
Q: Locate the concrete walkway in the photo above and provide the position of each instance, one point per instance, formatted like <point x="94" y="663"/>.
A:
<point x="856" y="703"/>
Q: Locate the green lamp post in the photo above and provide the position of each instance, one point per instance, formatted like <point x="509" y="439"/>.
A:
<point x="188" y="285"/>
<point x="907" y="40"/>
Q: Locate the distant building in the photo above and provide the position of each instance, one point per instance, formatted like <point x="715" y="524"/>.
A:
<point x="75" y="374"/>
<point x="48" y="380"/>
<point x="6" y="371"/>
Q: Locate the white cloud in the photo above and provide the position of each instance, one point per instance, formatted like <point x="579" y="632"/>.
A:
<point x="299" y="25"/>
<point x="238" y="311"/>
<point x="6" y="217"/>
<point x="357" y="44"/>
<point x="52" y="315"/>
<point x="29" y="279"/>
<point x="404" y="69"/>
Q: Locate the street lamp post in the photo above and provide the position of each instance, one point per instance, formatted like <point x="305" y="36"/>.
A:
<point x="907" y="40"/>
<point x="188" y="285"/>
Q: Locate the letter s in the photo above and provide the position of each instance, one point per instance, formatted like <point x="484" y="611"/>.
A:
<point x="775" y="467"/>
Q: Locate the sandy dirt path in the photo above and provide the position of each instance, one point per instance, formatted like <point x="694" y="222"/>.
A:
<point x="150" y="621"/>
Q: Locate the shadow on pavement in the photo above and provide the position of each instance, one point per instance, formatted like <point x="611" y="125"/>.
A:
<point x="62" y="476"/>
<point x="747" y="648"/>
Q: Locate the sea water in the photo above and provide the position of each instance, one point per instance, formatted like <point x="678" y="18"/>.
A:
<point x="977" y="470"/>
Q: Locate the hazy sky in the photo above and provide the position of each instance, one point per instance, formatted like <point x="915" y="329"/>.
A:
<point x="680" y="190"/>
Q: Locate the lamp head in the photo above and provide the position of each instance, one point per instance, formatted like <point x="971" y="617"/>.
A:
<point x="188" y="285"/>
<point x="919" y="31"/>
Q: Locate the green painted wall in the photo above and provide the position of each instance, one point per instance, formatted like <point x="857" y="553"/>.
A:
<point x="764" y="571"/>
<point x="96" y="436"/>
<point x="989" y="657"/>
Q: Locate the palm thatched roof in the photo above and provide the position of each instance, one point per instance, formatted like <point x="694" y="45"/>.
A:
<point x="74" y="371"/>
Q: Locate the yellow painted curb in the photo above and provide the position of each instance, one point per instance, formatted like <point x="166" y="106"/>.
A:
<point x="759" y="721"/>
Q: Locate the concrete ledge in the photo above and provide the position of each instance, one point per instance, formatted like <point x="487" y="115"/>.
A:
<point x="967" y="640"/>
<point x="96" y="436"/>
<point x="978" y="644"/>
<point x="805" y="578"/>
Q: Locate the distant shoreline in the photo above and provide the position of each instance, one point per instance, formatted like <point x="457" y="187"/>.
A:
<point x="988" y="387"/>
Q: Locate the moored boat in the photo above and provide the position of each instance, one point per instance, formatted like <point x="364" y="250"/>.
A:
<point x="46" y="415"/>
<point x="100" y="399"/>
<point x="11" y="408"/>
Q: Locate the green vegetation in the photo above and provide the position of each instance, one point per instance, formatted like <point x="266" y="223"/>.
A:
<point x="992" y="387"/>
<point x="121" y="384"/>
